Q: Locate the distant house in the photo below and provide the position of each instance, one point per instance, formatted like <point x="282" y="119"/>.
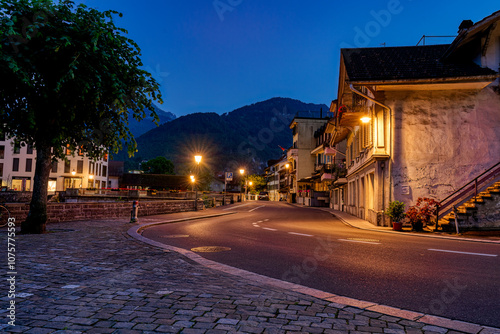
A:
<point x="432" y="118"/>
<point x="302" y="163"/>
<point x="155" y="181"/>
<point x="17" y="169"/>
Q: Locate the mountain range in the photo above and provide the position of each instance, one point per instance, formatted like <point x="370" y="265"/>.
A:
<point x="138" y="128"/>
<point x="244" y="138"/>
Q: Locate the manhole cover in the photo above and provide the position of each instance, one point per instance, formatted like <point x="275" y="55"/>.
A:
<point x="361" y="239"/>
<point x="175" y="236"/>
<point x="210" y="249"/>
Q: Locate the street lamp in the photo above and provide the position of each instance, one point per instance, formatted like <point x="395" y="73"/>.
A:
<point x="197" y="158"/>
<point x="249" y="184"/>
<point x="242" y="172"/>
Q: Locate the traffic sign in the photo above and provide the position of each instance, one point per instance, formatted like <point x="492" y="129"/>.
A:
<point x="229" y="176"/>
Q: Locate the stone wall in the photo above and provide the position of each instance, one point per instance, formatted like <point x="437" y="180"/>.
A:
<point x="60" y="212"/>
<point x="442" y="140"/>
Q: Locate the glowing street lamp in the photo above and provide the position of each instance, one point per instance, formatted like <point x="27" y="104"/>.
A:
<point x="242" y="172"/>
<point x="197" y="158"/>
<point x="366" y="119"/>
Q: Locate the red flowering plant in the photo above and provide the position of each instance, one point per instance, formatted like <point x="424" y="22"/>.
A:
<point x="421" y="213"/>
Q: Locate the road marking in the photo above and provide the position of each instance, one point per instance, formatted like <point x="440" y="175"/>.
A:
<point x="256" y="208"/>
<point x="457" y="252"/>
<point x="266" y="220"/>
<point x="302" y="234"/>
<point x="256" y="226"/>
<point x="235" y="207"/>
<point x="269" y="229"/>
<point x="361" y="242"/>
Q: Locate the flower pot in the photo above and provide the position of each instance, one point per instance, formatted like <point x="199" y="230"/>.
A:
<point x="397" y="226"/>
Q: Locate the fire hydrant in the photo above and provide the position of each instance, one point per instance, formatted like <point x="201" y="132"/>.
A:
<point x="134" y="212"/>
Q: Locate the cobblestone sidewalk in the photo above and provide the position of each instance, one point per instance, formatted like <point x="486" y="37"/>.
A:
<point x="91" y="277"/>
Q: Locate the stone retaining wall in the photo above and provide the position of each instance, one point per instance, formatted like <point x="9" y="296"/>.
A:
<point x="60" y="212"/>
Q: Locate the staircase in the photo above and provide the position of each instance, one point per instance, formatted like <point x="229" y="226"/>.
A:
<point x="479" y="212"/>
<point x="477" y="204"/>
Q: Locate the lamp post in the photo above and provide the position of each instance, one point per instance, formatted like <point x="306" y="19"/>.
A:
<point x="197" y="158"/>
<point x="242" y="172"/>
<point x="73" y="173"/>
<point x="249" y="184"/>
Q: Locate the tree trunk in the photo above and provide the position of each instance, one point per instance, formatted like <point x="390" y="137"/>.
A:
<point x="37" y="216"/>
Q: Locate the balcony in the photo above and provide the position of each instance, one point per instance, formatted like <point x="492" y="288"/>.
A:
<point x="292" y="153"/>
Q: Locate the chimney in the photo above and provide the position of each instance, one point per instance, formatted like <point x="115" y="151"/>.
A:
<point x="466" y="24"/>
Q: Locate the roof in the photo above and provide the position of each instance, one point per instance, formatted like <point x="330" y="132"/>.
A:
<point x="475" y="32"/>
<point x="156" y="181"/>
<point x="406" y="63"/>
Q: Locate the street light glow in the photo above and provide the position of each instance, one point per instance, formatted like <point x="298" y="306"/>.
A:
<point x="73" y="172"/>
<point x="197" y="158"/>
<point x="365" y="119"/>
<point x="287" y="166"/>
<point x="242" y="171"/>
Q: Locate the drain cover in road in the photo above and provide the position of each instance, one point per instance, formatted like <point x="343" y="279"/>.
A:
<point x="175" y="236"/>
<point x="210" y="249"/>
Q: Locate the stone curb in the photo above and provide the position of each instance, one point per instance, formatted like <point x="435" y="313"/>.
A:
<point x="339" y="301"/>
<point x="395" y="232"/>
<point x="413" y="234"/>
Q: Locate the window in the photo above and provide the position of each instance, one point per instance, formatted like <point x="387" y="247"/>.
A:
<point x="79" y="166"/>
<point x="67" y="166"/>
<point x="104" y="170"/>
<point x="17" y="148"/>
<point x="15" y="165"/>
<point x="29" y="149"/>
<point x="29" y="162"/>
<point x="2" y="151"/>
<point x="54" y="166"/>
<point x="1" y="172"/>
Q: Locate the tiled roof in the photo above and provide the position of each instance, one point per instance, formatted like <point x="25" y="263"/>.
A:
<point x="406" y="63"/>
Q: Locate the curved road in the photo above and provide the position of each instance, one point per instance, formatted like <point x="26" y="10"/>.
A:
<point x="449" y="278"/>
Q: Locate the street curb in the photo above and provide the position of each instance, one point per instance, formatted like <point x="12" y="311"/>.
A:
<point x="336" y="300"/>
<point x="395" y="232"/>
<point x="411" y="233"/>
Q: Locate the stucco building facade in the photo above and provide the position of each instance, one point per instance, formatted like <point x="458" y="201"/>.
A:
<point x="432" y="118"/>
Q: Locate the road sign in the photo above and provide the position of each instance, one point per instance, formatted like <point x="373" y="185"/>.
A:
<point x="229" y="176"/>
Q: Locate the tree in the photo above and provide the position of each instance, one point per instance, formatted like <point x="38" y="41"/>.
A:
<point x="70" y="78"/>
<point x="259" y="183"/>
<point x="158" y="165"/>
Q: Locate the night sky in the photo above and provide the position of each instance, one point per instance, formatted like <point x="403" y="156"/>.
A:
<point x="216" y="56"/>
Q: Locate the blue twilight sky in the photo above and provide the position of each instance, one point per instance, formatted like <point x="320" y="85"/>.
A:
<point x="216" y="56"/>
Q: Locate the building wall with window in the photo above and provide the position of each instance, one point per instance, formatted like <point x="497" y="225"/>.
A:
<point x="17" y="169"/>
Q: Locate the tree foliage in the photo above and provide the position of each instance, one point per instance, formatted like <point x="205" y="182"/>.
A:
<point x="158" y="165"/>
<point x="258" y="183"/>
<point x="70" y="78"/>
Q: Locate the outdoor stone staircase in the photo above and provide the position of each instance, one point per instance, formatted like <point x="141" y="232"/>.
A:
<point x="481" y="212"/>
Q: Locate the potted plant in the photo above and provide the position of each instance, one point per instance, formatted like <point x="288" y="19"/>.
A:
<point x="396" y="212"/>
<point x="421" y="213"/>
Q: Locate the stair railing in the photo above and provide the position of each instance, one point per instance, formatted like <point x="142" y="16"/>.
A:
<point x="473" y="187"/>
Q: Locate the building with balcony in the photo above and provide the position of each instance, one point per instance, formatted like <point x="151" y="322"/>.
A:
<point x="302" y="163"/>
<point x="17" y="169"/>
<point x="430" y="118"/>
<point x="277" y="175"/>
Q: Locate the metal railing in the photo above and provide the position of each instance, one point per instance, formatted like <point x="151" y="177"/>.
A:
<point x="464" y="193"/>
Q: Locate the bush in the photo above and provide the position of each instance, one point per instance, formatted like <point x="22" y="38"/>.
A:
<point x="421" y="213"/>
<point x="396" y="211"/>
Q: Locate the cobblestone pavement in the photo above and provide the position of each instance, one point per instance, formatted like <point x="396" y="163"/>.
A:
<point x="90" y="276"/>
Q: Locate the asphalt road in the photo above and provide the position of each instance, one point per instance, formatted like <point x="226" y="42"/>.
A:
<point x="449" y="278"/>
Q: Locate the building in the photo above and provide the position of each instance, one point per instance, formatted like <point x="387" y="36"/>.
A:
<point x="277" y="174"/>
<point x="302" y="162"/>
<point x="430" y="118"/>
<point x="17" y="169"/>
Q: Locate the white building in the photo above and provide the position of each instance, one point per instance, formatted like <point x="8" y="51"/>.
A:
<point x="17" y="169"/>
